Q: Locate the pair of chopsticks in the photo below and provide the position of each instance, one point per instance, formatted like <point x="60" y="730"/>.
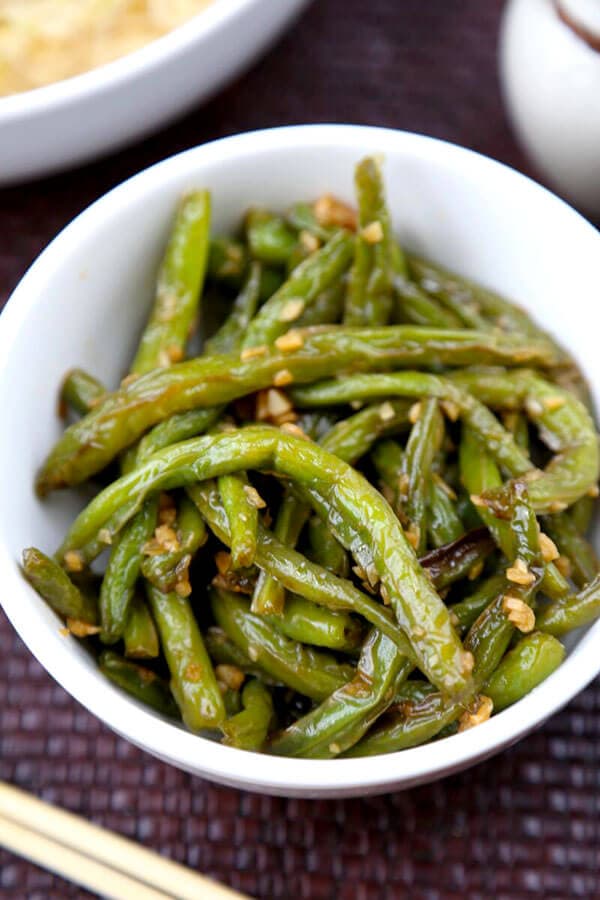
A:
<point x="93" y="857"/>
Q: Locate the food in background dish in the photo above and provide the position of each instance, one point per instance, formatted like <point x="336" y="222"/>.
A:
<point x="42" y="41"/>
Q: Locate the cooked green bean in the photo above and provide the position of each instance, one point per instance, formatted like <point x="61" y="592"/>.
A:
<point x="305" y="284"/>
<point x="467" y="610"/>
<point x="571" y="612"/>
<point x="423" y="443"/>
<point x="342" y="719"/>
<point x="313" y="673"/>
<point x="304" y="621"/>
<point x="57" y="589"/>
<point x="269" y="594"/>
<point x="369" y="297"/>
<point x="139" y="636"/>
<point x="123" y="569"/>
<point x="80" y="391"/>
<point x="325" y="550"/>
<point x="529" y="663"/>
<point x="231" y="333"/>
<point x="178" y="288"/>
<point x="270" y="239"/>
<point x="143" y="684"/>
<point x="166" y="569"/>
<point x="249" y="728"/>
<point x="580" y="553"/>
<point x="443" y="522"/>
<point x="238" y="498"/>
<point x="298" y="574"/>
<point x="193" y="681"/>
<point x="350" y="499"/>
<point x="90" y="444"/>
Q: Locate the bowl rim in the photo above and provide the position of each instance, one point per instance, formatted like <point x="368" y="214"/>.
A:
<point x="168" y="741"/>
<point x="139" y="63"/>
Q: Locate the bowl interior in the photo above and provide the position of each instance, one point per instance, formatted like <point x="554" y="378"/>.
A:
<point x="83" y="304"/>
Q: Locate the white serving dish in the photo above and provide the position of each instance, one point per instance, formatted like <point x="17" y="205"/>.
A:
<point x="83" y="303"/>
<point x="80" y="118"/>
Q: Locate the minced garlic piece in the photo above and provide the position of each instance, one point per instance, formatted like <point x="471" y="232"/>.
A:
<point x="74" y="561"/>
<point x="230" y="675"/>
<point x="331" y="211"/>
<point x="594" y="491"/>
<point x="548" y="548"/>
<point x="518" y="613"/>
<point x="81" y="629"/>
<point x="223" y="561"/>
<point x="386" y="411"/>
<point x="563" y="564"/>
<point x="558" y="506"/>
<point x="413" y="535"/>
<point x="253" y="352"/>
<point x="451" y="409"/>
<point x="310" y="242"/>
<point x="292" y="310"/>
<point x="372" y="233"/>
<point x="175" y="353"/>
<point x="283" y="377"/>
<point x="105" y="536"/>
<point x="519" y="573"/>
<point x="290" y="341"/>
<point x="481" y="714"/>
<point x="555" y="401"/>
<point x="414" y="413"/>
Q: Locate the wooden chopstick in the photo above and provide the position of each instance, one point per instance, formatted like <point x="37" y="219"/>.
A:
<point x="106" y="863"/>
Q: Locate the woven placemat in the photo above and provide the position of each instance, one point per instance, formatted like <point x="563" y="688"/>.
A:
<point x="523" y="825"/>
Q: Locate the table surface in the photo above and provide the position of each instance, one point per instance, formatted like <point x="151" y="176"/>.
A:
<point x="524" y="825"/>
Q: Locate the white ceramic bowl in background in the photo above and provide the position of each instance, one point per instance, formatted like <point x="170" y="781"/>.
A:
<point x="80" y="118"/>
<point x="84" y="301"/>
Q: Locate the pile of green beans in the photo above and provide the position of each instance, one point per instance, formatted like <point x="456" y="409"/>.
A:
<point x="356" y="521"/>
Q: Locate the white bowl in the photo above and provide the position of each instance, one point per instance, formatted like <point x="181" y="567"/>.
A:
<point x="84" y="301"/>
<point x="80" y="118"/>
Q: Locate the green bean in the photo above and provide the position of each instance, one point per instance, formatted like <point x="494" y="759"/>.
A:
<point x="369" y="297"/>
<point x="443" y="522"/>
<point x="123" y="569"/>
<point x="529" y="663"/>
<point x="304" y="621"/>
<point x="305" y="284"/>
<point x="269" y="594"/>
<point x="480" y="475"/>
<point x="352" y="438"/>
<point x="455" y="560"/>
<point x="249" y="728"/>
<point x="139" y="636"/>
<point x="413" y="691"/>
<point x="570" y="543"/>
<point x="413" y="305"/>
<point x="388" y="459"/>
<point x="193" y="681"/>
<point x="503" y="313"/>
<point x="299" y="575"/>
<point x="227" y="260"/>
<point x="310" y="672"/>
<point x="179" y="285"/>
<point x="56" y="588"/>
<point x="582" y="512"/>
<point x="270" y="239"/>
<point x="222" y="650"/>
<point x="344" y="717"/>
<point x="571" y="612"/>
<point x="325" y="550"/>
<point x="466" y="611"/>
<point x="179" y="427"/>
<point x="498" y="440"/>
<point x="356" y="513"/>
<point x="231" y="333"/>
<point x="423" y="443"/>
<point x="302" y="217"/>
<point x="80" y="391"/>
<point x="410" y="723"/>
<point x="326" y="309"/>
<point x="242" y="514"/>
<point x="168" y="569"/>
<point x="89" y="445"/>
<point x="143" y="684"/>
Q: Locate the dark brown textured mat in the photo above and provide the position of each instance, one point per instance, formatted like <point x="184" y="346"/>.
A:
<point x="524" y="825"/>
